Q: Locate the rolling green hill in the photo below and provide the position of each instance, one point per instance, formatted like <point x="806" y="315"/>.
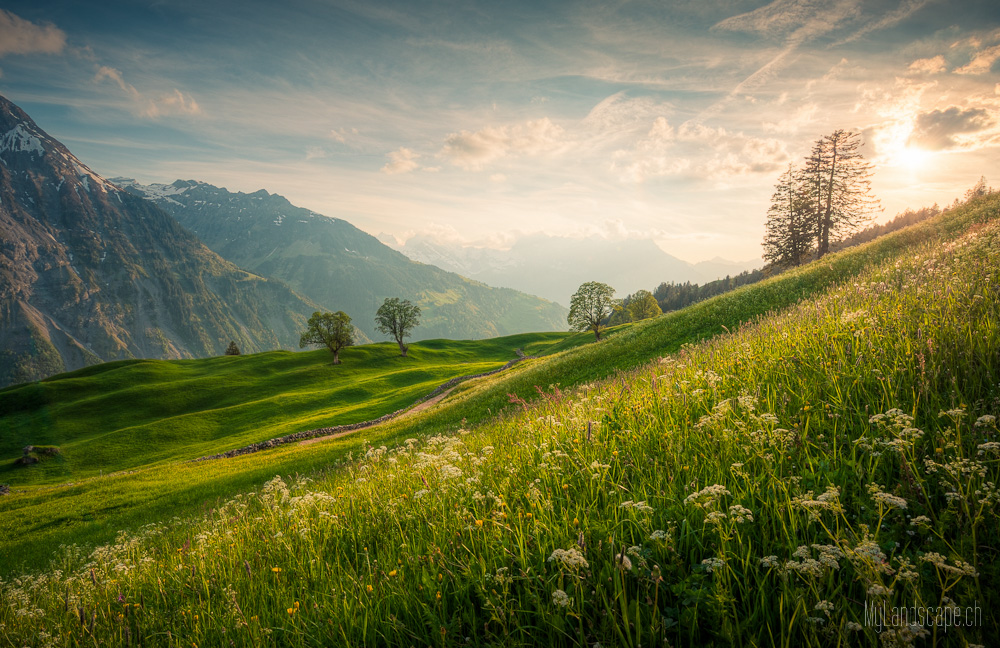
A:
<point x="797" y="450"/>
<point x="129" y="414"/>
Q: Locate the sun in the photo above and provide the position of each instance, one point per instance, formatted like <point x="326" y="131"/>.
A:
<point x="913" y="158"/>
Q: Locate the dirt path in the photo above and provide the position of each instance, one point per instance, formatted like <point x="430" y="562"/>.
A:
<point x="416" y="409"/>
<point x="312" y="436"/>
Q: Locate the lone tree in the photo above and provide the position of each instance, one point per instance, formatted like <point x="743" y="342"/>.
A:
<point x="836" y="185"/>
<point x="232" y="349"/>
<point x="590" y="305"/>
<point x="643" y="306"/>
<point x="397" y="317"/>
<point x="790" y="231"/>
<point x="332" y="330"/>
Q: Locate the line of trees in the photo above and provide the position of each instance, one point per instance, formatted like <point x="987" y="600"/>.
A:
<point x="826" y="199"/>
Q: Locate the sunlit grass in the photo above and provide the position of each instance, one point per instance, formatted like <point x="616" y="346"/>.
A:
<point x="758" y="488"/>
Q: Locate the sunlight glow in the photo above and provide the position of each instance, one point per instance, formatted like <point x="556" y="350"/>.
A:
<point x="913" y="158"/>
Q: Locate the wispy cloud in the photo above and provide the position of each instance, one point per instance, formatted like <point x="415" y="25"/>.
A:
<point x="174" y="102"/>
<point x="932" y="65"/>
<point x="20" y="36"/>
<point x="472" y="150"/>
<point x="904" y="11"/>
<point x="402" y="160"/>
<point x="981" y="62"/>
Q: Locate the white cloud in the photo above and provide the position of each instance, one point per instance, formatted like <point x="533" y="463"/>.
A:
<point x="669" y="151"/>
<point x="933" y="65"/>
<point x="20" y="36"/>
<point x="403" y="160"/>
<point x="474" y="150"/>
<point x="498" y="178"/>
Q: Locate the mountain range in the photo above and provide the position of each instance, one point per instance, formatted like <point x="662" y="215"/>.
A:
<point x="91" y="273"/>
<point x="93" y="270"/>
<point x="333" y="263"/>
<point x="553" y="267"/>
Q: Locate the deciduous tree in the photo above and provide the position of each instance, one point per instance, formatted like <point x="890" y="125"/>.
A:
<point x="397" y="318"/>
<point x="590" y="305"/>
<point x="332" y="330"/>
<point x="643" y="306"/>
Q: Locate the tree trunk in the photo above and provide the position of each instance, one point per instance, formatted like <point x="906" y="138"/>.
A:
<point x="336" y="357"/>
<point x="597" y="332"/>
<point x="402" y="348"/>
<point x="824" y="245"/>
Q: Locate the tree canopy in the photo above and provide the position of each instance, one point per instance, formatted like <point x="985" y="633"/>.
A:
<point x="643" y="305"/>
<point x="397" y="318"/>
<point x="590" y="305"/>
<point x="333" y="330"/>
<point x="828" y="198"/>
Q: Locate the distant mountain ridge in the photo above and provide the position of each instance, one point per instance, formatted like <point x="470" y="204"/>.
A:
<point x="91" y="273"/>
<point x="554" y="266"/>
<point x="337" y="265"/>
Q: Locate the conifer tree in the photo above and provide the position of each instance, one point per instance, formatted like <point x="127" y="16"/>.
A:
<point x="836" y="182"/>
<point x="789" y="232"/>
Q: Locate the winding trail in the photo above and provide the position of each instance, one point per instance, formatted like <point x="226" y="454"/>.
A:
<point x="313" y="436"/>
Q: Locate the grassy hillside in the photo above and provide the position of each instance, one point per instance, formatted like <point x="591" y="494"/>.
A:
<point x="761" y="488"/>
<point x="123" y="415"/>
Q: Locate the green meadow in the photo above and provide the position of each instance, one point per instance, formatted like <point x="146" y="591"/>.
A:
<point x="769" y="467"/>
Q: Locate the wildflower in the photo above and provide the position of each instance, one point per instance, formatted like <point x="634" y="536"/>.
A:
<point x="369" y="588"/>
<point x="707" y="496"/>
<point x="560" y="598"/>
<point x="740" y="514"/>
<point x="886" y="499"/>
<point x="825" y="607"/>
<point x="392" y="573"/>
<point x="276" y="570"/>
<point x="636" y="506"/>
<point x="571" y="558"/>
<point x="711" y="564"/>
<point x="986" y="419"/>
<point x="623" y="562"/>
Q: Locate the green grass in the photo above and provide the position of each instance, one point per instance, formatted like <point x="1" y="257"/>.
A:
<point x="835" y="447"/>
<point x="125" y="415"/>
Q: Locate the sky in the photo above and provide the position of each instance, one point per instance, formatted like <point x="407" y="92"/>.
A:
<point x="481" y="122"/>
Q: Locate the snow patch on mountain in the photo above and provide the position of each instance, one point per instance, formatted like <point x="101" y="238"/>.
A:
<point x="21" y="140"/>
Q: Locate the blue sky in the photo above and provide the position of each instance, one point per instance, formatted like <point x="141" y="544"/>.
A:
<point x="482" y="122"/>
